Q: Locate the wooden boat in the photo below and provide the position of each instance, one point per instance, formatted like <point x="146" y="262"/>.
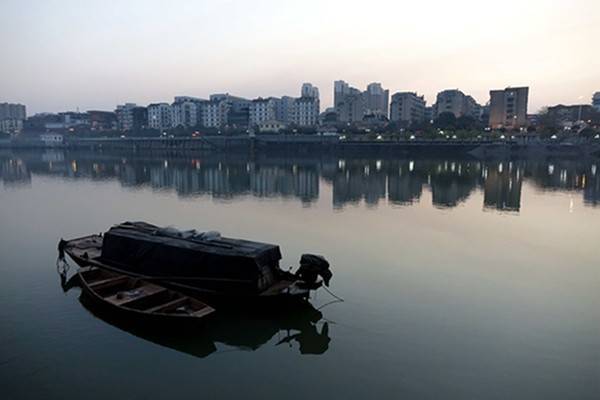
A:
<point x="220" y="270"/>
<point x="139" y="298"/>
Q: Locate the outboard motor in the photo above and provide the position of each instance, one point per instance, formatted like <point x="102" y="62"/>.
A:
<point x="311" y="267"/>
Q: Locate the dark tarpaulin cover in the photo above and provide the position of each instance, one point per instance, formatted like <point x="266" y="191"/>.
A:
<point x="145" y="249"/>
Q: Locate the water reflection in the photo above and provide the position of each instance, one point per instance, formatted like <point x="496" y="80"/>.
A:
<point x="301" y="328"/>
<point x="352" y="180"/>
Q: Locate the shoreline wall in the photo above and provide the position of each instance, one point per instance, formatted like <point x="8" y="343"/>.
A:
<point x="322" y="144"/>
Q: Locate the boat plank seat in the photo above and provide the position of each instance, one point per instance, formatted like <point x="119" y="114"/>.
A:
<point x="105" y="283"/>
<point x="167" y="306"/>
<point x="203" y="311"/>
<point x="145" y="291"/>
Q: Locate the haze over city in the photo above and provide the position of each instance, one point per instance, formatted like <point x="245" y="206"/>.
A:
<point x="300" y="199"/>
<point x="62" y="55"/>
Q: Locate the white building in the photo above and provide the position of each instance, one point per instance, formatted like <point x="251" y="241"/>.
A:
<point x="186" y="112"/>
<point x="306" y="111"/>
<point x="271" y="126"/>
<point x="262" y="110"/>
<point x="302" y="111"/>
<point x="407" y="107"/>
<point x="52" y="139"/>
<point x="159" y="116"/>
<point x="213" y="113"/>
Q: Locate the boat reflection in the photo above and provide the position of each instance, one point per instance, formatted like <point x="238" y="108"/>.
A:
<point x="302" y="327"/>
<point x="400" y="182"/>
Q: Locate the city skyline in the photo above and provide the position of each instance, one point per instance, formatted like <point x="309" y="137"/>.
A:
<point x="96" y="55"/>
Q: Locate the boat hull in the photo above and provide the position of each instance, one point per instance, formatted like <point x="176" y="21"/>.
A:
<point x="86" y="252"/>
<point x="152" y="296"/>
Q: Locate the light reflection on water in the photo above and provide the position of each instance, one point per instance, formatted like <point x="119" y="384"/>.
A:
<point x="398" y="181"/>
<point x="462" y="278"/>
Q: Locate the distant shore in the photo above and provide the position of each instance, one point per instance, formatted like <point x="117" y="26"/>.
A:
<point x="521" y="146"/>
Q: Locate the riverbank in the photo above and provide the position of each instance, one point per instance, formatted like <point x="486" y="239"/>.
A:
<point x="481" y="148"/>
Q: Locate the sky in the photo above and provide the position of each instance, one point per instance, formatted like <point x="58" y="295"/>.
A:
<point x="60" y="55"/>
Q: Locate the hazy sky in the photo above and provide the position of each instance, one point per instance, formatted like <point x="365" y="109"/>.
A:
<point x="62" y="54"/>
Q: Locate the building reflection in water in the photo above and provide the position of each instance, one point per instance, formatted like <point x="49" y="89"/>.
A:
<point x="13" y="171"/>
<point x="502" y="186"/>
<point x="352" y="180"/>
<point x="452" y="182"/>
<point x="405" y="184"/>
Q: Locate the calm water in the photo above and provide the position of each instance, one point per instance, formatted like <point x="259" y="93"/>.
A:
<point x="462" y="279"/>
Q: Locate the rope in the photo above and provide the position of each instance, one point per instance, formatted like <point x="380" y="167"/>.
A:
<point x="331" y="293"/>
<point x="330" y="303"/>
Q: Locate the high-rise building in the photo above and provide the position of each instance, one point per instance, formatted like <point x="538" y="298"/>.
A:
<point x="376" y="99"/>
<point x="230" y="110"/>
<point x="186" y="111"/>
<point x="352" y="109"/>
<point x="212" y="114"/>
<point x="341" y="89"/>
<point x="238" y="114"/>
<point x="159" y="116"/>
<point x="407" y="107"/>
<point x="352" y="105"/>
<point x="140" y="118"/>
<point x="349" y="102"/>
<point x="12" y="117"/>
<point x="308" y="90"/>
<point x="306" y="111"/>
<point x="596" y="101"/>
<point x="13" y="111"/>
<point x="262" y="110"/>
<point x="508" y="108"/>
<point x="456" y="102"/>
<point x="131" y="117"/>
<point x="284" y="109"/>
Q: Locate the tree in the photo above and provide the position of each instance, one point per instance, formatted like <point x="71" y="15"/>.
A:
<point x="548" y="123"/>
<point x="420" y="126"/>
<point x="446" y="120"/>
<point x="587" y="133"/>
<point x="466" y="122"/>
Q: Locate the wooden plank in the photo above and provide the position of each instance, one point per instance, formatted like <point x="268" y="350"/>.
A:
<point x="166" y="306"/>
<point x="100" y="284"/>
<point x="108" y="284"/>
<point x="202" y="312"/>
<point x="145" y="291"/>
